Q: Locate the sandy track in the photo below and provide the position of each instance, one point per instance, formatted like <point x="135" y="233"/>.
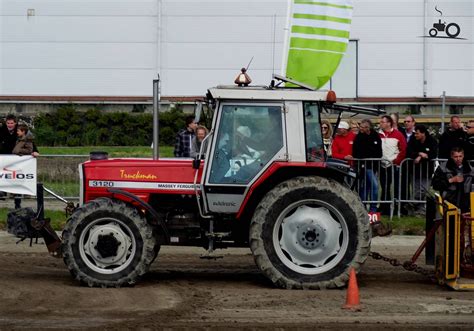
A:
<point x="183" y="291"/>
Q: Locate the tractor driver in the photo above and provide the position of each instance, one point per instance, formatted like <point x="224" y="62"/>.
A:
<point x="254" y="151"/>
<point x="246" y="143"/>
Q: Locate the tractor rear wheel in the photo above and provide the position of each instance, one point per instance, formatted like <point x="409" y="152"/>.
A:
<point x="308" y="232"/>
<point x="452" y="30"/>
<point x="108" y="244"/>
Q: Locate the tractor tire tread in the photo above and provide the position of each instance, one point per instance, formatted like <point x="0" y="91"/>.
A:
<point x="149" y="243"/>
<point x="257" y="246"/>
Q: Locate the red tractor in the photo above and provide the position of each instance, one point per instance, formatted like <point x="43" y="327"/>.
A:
<point x="263" y="181"/>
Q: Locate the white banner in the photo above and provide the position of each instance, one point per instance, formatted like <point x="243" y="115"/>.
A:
<point x="18" y="174"/>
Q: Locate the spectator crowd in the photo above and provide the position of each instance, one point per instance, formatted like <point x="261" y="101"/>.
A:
<point x="405" y="154"/>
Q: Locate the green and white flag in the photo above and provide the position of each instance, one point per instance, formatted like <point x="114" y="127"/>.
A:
<point x="317" y="39"/>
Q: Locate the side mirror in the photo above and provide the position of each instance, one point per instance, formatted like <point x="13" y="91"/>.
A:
<point x="196" y="163"/>
<point x="197" y="112"/>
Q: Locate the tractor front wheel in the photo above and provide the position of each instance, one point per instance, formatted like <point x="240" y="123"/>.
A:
<point x="308" y="232"/>
<point x="108" y="244"/>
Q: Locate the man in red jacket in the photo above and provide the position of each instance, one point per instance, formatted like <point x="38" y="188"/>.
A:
<point x="343" y="141"/>
<point x="394" y="148"/>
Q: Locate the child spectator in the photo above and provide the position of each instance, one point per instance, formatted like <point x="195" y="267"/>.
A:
<point x="24" y="143"/>
<point x="24" y="146"/>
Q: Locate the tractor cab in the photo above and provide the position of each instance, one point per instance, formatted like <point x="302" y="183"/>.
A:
<point x="254" y="129"/>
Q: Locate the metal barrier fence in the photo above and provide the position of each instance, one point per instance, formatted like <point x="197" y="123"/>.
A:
<point x="393" y="187"/>
<point x="381" y="185"/>
<point x="402" y="188"/>
<point x="413" y="183"/>
<point x="60" y="173"/>
<point x="374" y="184"/>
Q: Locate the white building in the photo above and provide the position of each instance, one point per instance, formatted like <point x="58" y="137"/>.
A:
<point x="110" y="51"/>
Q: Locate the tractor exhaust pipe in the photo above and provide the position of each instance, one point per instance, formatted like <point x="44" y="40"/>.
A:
<point x="156" y="117"/>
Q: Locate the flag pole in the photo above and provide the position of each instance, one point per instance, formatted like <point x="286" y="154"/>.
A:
<point x="286" y="41"/>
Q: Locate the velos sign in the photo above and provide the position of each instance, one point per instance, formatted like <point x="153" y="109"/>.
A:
<point x="18" y="174"/>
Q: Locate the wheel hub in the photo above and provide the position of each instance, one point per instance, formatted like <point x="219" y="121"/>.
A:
<point x="310" y="236"/>
<point x="107" y="245"/>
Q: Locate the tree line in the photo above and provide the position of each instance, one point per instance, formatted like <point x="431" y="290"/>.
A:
<point x="66" y="126"/>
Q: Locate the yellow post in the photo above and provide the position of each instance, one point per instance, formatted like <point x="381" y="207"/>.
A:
<point x="452" y="241"/>
<point x="452" y="236"/>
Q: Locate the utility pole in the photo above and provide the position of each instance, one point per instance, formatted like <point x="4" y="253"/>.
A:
<point x="443" y="110"/>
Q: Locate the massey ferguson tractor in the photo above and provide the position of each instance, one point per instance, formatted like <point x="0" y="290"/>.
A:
<point x="262" y="180"/>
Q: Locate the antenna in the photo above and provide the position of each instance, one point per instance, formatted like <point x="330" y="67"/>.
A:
<point x="248" y="65"/>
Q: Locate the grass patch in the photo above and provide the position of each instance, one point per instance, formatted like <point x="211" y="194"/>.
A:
<point x="114" y="151"/>
<point x="64" y="189"/>
<point x="58" y="218"/>
<point x="406" y="225"/>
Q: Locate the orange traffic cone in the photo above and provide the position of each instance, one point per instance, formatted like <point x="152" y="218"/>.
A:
<point x="352" y="299"/>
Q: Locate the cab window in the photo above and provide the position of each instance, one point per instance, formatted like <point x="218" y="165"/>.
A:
<point x="248" y="138"/>
<point x="314" y="141"/>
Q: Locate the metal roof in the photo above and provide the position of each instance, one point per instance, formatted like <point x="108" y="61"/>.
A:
<point x="265" y="93"/>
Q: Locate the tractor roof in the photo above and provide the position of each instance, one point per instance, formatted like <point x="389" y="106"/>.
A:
<point x="265" y="93"/>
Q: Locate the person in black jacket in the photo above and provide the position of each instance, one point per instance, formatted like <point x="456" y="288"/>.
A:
<point x="455" y="136"/>
<point x="454" y="180"/>
<point x="8" y="135"/>
<point x="469" y="143"/>
<point x="368" y="145"/>
<point x="422" y="150"/>
<point x="184" y="138"/>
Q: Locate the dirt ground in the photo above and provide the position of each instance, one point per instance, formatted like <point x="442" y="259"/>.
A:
<point x="183" y="291"/>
